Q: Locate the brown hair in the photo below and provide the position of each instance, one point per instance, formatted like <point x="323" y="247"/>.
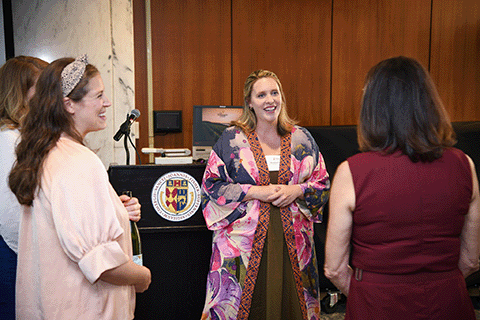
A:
<point x="17" y="76"/>
<point x="248" y="120"/>
<point x="42" y="127"/>
<point x="401" y="110"/>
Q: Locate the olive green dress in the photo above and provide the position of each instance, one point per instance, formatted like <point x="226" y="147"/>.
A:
<point x="275" y="295"/>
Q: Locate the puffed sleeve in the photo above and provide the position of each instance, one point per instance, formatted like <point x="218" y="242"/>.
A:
<point x="224" y="185"/>
<point x="84" y="216"/>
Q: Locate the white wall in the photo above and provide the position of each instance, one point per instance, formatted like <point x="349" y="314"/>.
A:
<point x="52" y="29"/>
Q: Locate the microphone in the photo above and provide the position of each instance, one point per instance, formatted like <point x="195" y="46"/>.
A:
<point x="125" y="127"/>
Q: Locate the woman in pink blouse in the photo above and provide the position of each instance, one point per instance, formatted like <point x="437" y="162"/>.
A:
<point x="75" y="253"/>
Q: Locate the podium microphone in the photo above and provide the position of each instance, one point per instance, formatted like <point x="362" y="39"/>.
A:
<point x="125" y="127"/>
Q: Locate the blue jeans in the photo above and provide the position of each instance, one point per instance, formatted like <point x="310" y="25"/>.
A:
<point x="8" y="267"/>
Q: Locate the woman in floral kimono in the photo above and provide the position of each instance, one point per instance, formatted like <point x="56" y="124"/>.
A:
<point x="264" y="186"/>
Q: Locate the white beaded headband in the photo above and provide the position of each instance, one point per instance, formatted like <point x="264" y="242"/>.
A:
<point x="72" y="74"/>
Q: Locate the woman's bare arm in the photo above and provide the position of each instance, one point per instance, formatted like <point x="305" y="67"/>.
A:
<point x="128" y="273"/>
<point x="470" y="236"/>
<point x="339" y="230"/>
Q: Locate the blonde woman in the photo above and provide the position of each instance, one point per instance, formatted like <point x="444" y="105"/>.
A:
<point x="264" y="186"/>
<point x="17" y="85"/>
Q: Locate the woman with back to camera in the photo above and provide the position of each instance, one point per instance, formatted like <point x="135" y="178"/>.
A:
<point x="75" y="251"/>
<point x="408" y="206"/>
<point x="264" y="186"/>
<point x="17" y="85"/>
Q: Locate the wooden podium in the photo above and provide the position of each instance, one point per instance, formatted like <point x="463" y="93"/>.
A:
<point x="176" y="247"/>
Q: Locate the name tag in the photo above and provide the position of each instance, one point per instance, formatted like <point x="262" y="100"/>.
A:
<point x="273" y="162"/>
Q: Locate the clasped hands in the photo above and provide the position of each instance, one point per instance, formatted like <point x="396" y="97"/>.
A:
<point x="278" y="195"/>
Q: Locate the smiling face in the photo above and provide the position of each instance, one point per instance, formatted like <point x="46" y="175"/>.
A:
<point x="266" y="101"/>
<point x="89" y="114"/>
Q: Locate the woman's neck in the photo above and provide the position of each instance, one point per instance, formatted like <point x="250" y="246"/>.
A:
<point x="269" y="139"/>
<point x="69" y="137"/>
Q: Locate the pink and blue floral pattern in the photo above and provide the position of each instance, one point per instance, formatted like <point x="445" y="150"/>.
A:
<point x="230" y="172"/>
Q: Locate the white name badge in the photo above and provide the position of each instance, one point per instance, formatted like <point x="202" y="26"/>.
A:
<point x="273" y="162"/>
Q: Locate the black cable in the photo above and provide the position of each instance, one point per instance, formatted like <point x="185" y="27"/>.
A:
<point x="136" y="151"/>
<point x="125" y="145"/>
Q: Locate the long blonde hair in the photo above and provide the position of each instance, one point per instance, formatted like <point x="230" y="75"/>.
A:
<point x="17" y="76"/>
<point x="248" y="120"/>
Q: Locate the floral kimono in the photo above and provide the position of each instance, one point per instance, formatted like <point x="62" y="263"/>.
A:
<point x="236" y="163"/>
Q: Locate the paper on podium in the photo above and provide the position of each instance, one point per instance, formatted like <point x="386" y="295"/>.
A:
<point x="173" y="160"/>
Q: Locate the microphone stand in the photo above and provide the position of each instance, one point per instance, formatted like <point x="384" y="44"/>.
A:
<point x="125" y="145"/>
<point x="126" y="138"/>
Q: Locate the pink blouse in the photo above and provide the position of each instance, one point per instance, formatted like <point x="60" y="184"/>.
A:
<point x="72" y="234"/>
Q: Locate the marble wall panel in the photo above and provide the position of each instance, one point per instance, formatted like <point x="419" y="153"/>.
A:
<point x="51" y="29"/>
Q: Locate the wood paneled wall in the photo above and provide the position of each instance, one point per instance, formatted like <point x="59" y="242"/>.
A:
<point x="191" y="54"/>
<point x="282" y="37"/>
<point x="202" y="51"/>
<point x="455" y="56"/>
<point x="364" y="33"/>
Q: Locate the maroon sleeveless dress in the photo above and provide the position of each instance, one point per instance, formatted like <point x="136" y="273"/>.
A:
<point x="405" y="238"/>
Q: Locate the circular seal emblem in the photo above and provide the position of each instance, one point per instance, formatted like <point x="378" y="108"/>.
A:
<point x="176" y="196"/>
